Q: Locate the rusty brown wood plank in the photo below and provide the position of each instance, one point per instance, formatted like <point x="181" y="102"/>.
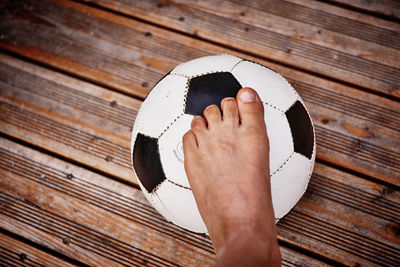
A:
<point x="340" y="212"/>
<point x="387" y="8"/>
<point x="88" y="217"/>
<point x="126" y="54"/>
<point x="81" y="214"/>
<point x="77" y="120"/>
<point x="291" y="258"/>
<point x="356" y="130"/>
<point x="94" y="219"/>
<point x="335" y="42"/>
<point x="16" y="253"/>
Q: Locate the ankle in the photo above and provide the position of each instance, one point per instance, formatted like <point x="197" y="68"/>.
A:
<point x="248" y="248"/>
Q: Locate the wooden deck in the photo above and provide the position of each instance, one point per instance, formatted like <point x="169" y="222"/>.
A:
<point x="72" y="78"/>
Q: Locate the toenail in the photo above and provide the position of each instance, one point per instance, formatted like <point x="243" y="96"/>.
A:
<point x="197" y="118"/>
<point x="228" y="99"/>
<point x="210" y="106"/>
<point x="247" y="96"/>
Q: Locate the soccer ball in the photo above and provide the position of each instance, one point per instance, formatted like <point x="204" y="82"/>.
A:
<point x="166" y="114"/>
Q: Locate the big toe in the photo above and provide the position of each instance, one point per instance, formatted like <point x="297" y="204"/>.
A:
<point x="251" y="109"/>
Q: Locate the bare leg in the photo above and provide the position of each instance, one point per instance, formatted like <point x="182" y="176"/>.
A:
<point x="227" y="163"/>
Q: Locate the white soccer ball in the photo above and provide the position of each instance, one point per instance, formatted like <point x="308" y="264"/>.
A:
<point x="166" y="114"/>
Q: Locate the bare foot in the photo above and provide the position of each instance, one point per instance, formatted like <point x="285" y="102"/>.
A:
<point x="227" y="163"/>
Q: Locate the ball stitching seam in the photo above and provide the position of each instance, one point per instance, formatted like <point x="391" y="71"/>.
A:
<point x="283" y="164"/>
<point x="174" y="183"/>
<point x="275" y="107"/>
<point x="180" y="74"/>
<point x="279" y="75"/>
<point x="237" y="63"/>
<point x="166" y="129"/>
<point x="185" y="94"/>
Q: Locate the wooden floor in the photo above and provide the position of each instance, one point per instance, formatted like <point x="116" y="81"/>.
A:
<point x="72" y="78"/>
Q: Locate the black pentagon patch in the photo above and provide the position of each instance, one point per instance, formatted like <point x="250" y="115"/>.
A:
<point x="210" y="89"/>
<point x="147" y="162"/>
<point x="301" y="127"/>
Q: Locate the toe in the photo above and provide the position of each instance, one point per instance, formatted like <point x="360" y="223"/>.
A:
<point x="230" y="113"/>
<point x="251" y="110"/>
<point x="199" y="128"/>
<point x="189" y="144"/>
<point x="212" y="115"/>
<point x="198" y="125"/>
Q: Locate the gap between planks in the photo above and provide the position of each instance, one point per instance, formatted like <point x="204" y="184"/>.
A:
<point x="21" y="252"/>
<point x="160" y="19"/>
<point x="387" y="9"/>
<point x="96" y="123"/>
<point x="92" y="89"/>
<point x="69" y="205"/>
<point x="118" y="82"/>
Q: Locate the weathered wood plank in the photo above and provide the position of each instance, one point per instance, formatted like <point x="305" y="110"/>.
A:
<point x="74" y="118"/>
<point x="292" y="258"/>
<point x="94" y="219"/>
<point x="88" y="217"/>
<point x="114" y="51"/>
<point x="387" y="8"/>
<point x="342" y="217"/>
<point x="356" y="48"/>
<point x="17" y="253"/>
<point x="340" y="212"/>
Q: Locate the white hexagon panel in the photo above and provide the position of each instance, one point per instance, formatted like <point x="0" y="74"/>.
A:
<point x="271" y="86"/>
<point x="171" y="150"/>
<point x="162" y="105"/>
<point x="279" y="135"/>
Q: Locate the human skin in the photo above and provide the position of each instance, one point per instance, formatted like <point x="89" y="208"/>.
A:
<point x="227" y="164"/>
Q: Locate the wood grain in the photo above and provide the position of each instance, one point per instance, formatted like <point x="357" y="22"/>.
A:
<point x="334" y="206"/>
<point x="127" y="55"/>
<point x="78" y="120"/>
<point x="387" y="8"/>
<point x="17" y="253"/>
<point x="94" y="219"/>
<point x="344" y="218"/>
<point x="335" y="42"/>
